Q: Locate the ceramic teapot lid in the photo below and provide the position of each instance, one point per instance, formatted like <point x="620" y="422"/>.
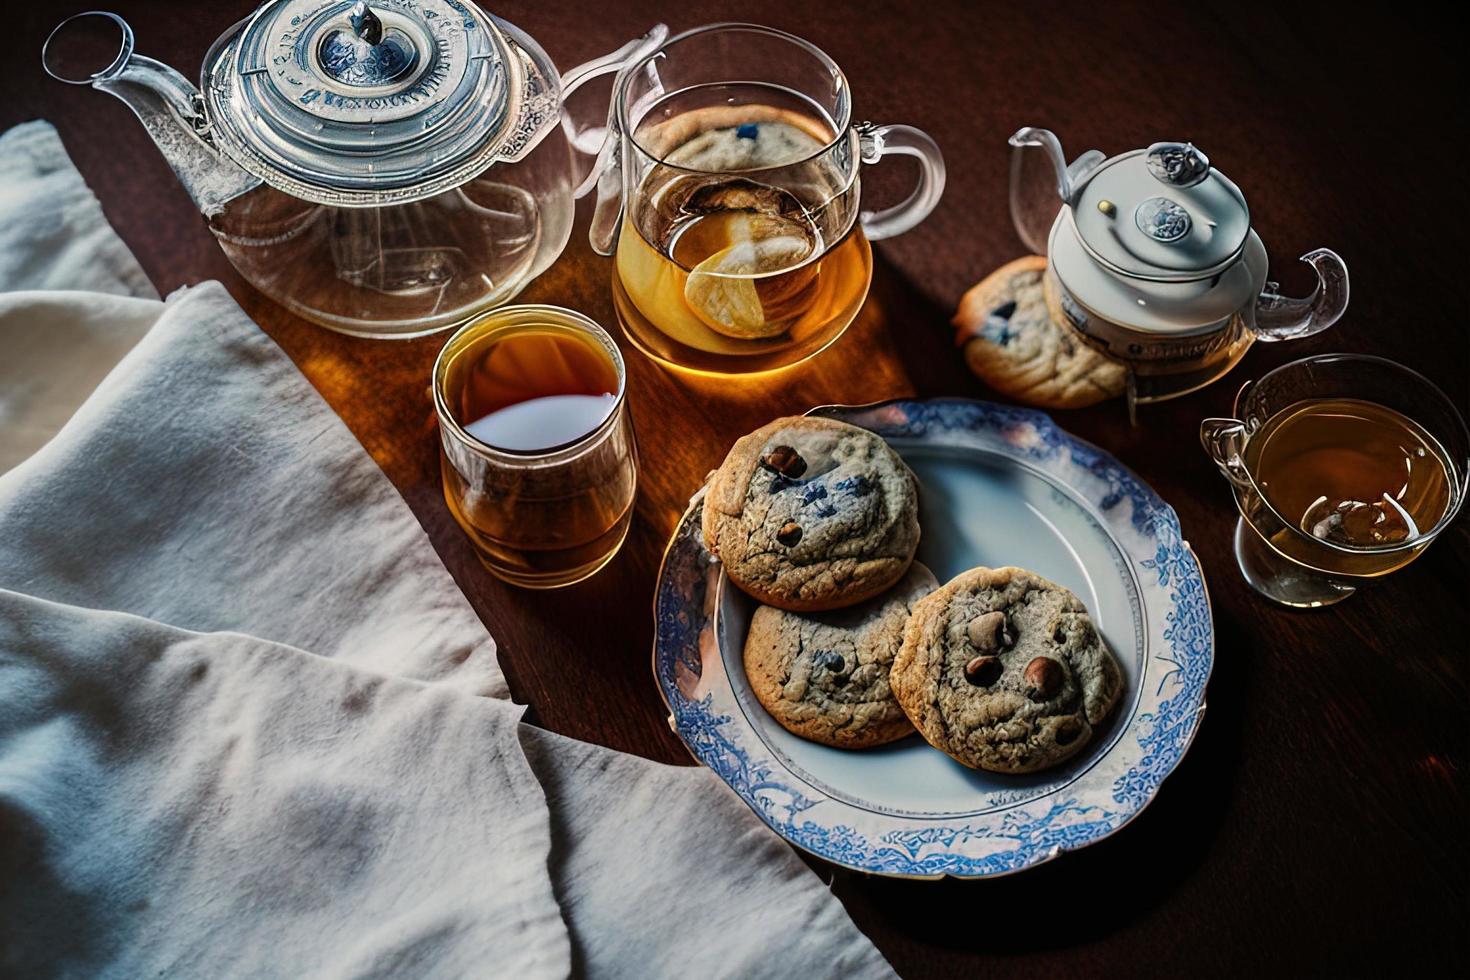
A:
<point x="361" y="104"/>
<point x="1162" y="213"/>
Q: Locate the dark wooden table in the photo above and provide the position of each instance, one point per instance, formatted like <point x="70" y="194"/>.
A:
<point x="1319" y="823"/>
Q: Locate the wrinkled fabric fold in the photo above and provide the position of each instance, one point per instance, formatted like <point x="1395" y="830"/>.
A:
<point x="207" y="485"/>
<point x="212" y="804"/>
<point x="250" y="727"/>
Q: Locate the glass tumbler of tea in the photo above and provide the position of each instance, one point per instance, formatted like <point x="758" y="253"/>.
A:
<point x="1344" y="467"/>
<point x="537" y="452"/>
<point x="732" y="194"/>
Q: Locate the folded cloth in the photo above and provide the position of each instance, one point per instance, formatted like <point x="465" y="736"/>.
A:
<point x="54" y="232"/>
<point x="206" y="485"/>
<point x="661" y="871"/>
<point x="249" y="726"/>
<point x="58" y="346"/>
<point x="210" y="804"/>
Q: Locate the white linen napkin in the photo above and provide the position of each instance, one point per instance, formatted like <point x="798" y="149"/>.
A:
<point x="249" y="726"/>
<point x="189" y="804"/>
<point x="58" y="345"/>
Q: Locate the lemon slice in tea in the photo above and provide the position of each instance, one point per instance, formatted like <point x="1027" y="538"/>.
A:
<point x="756" y="286"/>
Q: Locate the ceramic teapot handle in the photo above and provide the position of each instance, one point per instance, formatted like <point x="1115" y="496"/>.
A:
<point x="880" y="141"/>
<point x="597" y="138"/>
<point x="1287" y="318"/>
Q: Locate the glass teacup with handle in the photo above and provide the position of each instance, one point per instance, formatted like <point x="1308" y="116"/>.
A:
<point x="731" y="200"/>
<point x="1345" y="467"/>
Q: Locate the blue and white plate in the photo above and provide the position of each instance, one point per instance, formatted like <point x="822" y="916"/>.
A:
<point x="998" y="486"/>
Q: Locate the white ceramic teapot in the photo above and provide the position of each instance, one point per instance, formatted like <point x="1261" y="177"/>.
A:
<point x="1153" y="260"/>
<point x="383" y="169"/>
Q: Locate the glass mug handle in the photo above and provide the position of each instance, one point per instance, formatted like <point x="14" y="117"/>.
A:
<point x="1224" y="441"/>
<point x="878" y="142"/>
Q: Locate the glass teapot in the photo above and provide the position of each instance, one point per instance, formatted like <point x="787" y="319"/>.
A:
<point x="1153" y="260"/>
<point x="383" y="168"/>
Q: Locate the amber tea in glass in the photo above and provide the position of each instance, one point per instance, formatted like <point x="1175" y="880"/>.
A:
<point x="739" y="271"/>
<point x="1348" y="472"/>
<point x="538" y="458"/>
<point x="1345" y="468"/>
<point x="734" y="203"/>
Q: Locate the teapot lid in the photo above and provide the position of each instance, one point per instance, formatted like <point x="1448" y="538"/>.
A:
<point x="358" y="104"/>
<point x="1162" y="213"/>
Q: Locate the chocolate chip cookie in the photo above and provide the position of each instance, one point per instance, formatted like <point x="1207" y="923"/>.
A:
<point x="1013" y="341"/>
<point x="810" y="514"/>
<point x="824" y="676"/>
<point x="1004" y="671"/>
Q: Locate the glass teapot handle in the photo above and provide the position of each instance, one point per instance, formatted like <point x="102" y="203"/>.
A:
<point x="596" y="138"/>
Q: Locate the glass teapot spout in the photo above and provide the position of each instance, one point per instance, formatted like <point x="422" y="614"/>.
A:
<point x="1037" y="158"/>
<point x="1280" y="317"/>
<point x="165" y="102"/>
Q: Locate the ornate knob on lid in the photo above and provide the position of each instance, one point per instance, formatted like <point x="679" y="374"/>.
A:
<point x="365" y="23"/>
<point x="365" y="58"/>
<point x="1178" y="164"/>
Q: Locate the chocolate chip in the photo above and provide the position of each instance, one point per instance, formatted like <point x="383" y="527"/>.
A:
<point x="983" y="671"/>
<point x="789" y="534"/>
<point x="1059" y="636"/>
<point x="1068" y="731"/>
<point x="785" y="461"/>
<point x="1043" y="678"/>
<point x="987" y="631"/>
<point x="830" y="661"/>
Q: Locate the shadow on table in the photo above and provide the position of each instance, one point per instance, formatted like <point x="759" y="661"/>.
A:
<point x="1117" y="881"/>
<point x="900" y="344"/>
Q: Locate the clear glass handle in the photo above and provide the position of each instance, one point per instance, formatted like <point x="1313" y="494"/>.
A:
<point x="594" y="137"/>
<point x="1224" y="440"/>
<point x="603" y="232"/>
<point x="881" y="141"/>
<point x="1287" y="318"/>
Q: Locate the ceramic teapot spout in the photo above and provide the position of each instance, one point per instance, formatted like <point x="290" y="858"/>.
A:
<point x="165" y="102"/>
<point x="1069" y="176"/>
<point x="1039" y="167"/>
<point x="1287" y="318"/>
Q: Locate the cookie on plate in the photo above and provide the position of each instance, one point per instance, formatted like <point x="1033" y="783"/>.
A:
<point x="1004" y="671"/>
<point x="810" y="514"/>
<point x="824" y="676"/>
<point x="1013" y="342"/>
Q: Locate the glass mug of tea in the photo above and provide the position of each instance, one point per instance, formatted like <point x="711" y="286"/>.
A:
<point x="1345" y="467"/>
<point x="537" y="452"/>
<point x="731" y="190"/>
